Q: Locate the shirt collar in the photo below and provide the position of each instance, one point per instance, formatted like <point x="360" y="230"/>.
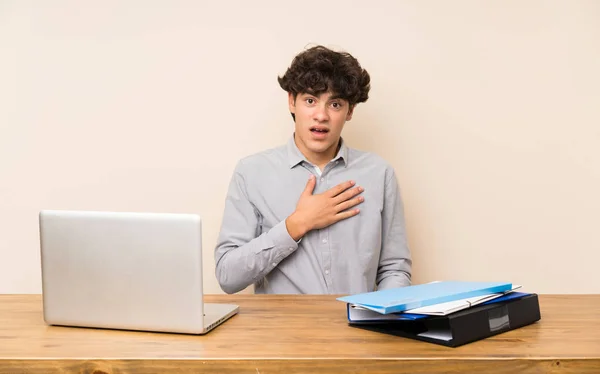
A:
<point x="296" y="157"/>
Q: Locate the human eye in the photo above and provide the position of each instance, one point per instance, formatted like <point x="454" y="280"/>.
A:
<point x="309" y="100"/>
<point x="336" y="105"/>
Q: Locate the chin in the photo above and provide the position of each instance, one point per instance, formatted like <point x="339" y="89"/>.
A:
<point x="317" y="149"/>
<point x="318" y="146"/>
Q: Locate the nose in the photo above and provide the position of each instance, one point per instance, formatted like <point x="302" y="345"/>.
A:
<point x="321" y="114"/>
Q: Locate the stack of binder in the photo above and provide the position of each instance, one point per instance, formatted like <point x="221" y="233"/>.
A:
<point x="449" y="313"/>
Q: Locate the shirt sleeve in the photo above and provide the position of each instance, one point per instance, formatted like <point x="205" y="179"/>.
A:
<point x="243" y="255"/>
<point x="395" y="262"/>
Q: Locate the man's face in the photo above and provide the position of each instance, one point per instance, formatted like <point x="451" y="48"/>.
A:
<point x="319" y="121"/>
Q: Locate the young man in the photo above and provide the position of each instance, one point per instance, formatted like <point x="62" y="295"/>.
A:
<point x="315" y="216"/>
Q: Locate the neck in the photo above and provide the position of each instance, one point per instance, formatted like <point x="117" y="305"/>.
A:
<point x="320" y="159"/>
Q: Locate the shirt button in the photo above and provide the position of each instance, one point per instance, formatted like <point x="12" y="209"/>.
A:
<point x="327" y="272"/>
<point x="291" y="249"/>
<point x="274" y="264"/>
<point x="324" y="241"/>
<point x="337" y="162"/>
<point x="322" y="179"/>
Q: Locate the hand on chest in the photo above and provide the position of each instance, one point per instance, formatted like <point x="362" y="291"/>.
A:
<point x="278" y="197"/>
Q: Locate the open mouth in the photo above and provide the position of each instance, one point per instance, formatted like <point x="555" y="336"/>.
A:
<point x="319" y="130"/>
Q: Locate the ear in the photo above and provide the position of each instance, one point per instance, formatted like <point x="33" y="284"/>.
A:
<point x="350" y="112"/>
<point x="292" y="102"/>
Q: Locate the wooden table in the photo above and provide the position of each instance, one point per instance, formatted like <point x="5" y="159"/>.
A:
<point x="296" y="334"/>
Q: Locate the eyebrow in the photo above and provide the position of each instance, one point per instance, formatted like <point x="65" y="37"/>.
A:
<point x="333" y="97"/>
<point x="336" y="97"/>
<point x="308" y="92"/>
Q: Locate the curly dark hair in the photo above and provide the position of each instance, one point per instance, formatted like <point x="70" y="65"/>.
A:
<point x="319" y="69"/>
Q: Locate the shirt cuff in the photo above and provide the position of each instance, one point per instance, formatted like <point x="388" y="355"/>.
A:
<point x="283" y="243"/>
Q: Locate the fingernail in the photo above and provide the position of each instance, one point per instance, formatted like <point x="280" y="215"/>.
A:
<point x="361" y="189"/>
<point x="352" y="182"/>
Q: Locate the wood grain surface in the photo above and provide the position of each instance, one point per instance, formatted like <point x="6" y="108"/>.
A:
<point x="296" y="334"/>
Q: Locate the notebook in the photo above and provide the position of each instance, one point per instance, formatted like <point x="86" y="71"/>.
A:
<point x="446" y="308"/>
<point x="396" y="300"/>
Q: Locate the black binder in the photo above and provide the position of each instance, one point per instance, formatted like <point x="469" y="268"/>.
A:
<point x="465" y="326"/>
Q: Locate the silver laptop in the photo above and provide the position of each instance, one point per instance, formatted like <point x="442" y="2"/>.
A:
<point x="132" y="271"/>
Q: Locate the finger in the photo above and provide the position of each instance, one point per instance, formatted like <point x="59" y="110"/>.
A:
<point x="347" y="195"/>
<point x="334" y="191"/>
<point x="349" y="203"/>
<point x="346" y="214"/>
<point x="310" y="186"/>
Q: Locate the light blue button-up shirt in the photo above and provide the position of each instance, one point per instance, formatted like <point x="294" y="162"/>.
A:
<point x="360" y="254"/>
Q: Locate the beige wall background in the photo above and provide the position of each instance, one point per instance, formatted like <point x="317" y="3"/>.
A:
<point x="488" y="110"/>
